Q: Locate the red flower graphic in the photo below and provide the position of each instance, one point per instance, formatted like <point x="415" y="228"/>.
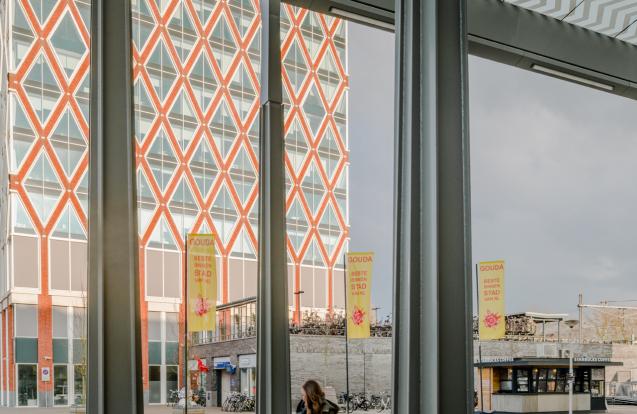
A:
<point x="358" y="316"/>
<point x="491" y="319"/>
<point x="201" y="306"/>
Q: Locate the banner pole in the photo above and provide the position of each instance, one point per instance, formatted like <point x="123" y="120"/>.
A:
<point x="479" y="344"/>
<point x="347" y="397"/>
<point x="186" y="325"/>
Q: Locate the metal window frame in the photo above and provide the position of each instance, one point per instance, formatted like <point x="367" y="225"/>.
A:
<point x="512" y="35"/>
<point x="432" y="339"/>
<point x="114" y="339"/>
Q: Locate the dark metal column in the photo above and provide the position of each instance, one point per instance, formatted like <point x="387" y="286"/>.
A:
<point x="114" y="362"/>
<point x="273" y="342"/>
<point x="432" y="302"/>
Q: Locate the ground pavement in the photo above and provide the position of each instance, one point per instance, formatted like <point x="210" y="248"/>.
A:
<point x="147" y="410"/>
<point x="164" y="410"/>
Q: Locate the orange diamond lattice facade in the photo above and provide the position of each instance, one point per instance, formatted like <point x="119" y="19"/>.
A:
<point x="196" y="69"/>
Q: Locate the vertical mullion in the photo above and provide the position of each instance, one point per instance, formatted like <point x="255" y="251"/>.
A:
<point x="454" y="213"/>
<point x="273" y="342"/>
<point x="114" y="347"/>
<point x="432" y="331"/>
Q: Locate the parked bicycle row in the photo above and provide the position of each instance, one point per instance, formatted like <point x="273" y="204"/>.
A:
<point x="364" y="402"/>
<point x="238" y="402"/>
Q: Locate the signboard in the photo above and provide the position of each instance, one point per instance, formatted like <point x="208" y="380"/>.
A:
<point x="248" y="361"/>
<point x="202" y="283"/>
<point x="221" y="362"/>
<point x="492" y="321"/>
<point x="46" y="374"/>
<point x="359" y="285"/>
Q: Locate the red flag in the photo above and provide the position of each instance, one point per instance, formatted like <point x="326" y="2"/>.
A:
<point x="202" y="367"/>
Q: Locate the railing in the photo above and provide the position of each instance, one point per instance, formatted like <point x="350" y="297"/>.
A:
<point x="312" y="324"/>
<point x="224" y="335"/>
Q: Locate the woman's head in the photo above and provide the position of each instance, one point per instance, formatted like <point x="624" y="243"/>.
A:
<point x="313" y="396"/>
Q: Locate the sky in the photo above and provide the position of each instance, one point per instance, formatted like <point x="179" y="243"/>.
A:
<point x="553" y="179"/>
<point x="371" y="145"/>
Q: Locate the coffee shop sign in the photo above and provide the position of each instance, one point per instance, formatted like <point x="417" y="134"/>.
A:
<point x="591" y="359"/>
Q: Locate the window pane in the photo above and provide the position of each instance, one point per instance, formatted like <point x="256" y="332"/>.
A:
<point x="27" y="385"/>
<point x="26" y="271"/>
<point x="26" y="350"/>
<point x="45" y="103"/>
<point x="79" y="386"/>
<point x="340" y="181"/>
<point x="154" y="352"/>
<point x="79" y="351"/>
<point x="172" y="352"/>
<point x="60" y="266"/>
<point x="154" y="378"/>
<point x="79" y="323"/>
<point x="550" y="205"/>
<point x="172" y="376"/>
<point x="172" y="327"/>
<point x="60" y="350"/>
<point x="154" y="326"/>
<point x="26" y="321"/>
<point x="196" y="122"/>
<point x="60" y="385"/>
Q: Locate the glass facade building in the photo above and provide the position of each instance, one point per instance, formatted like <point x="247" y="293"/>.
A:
<point x="196" y="68"/>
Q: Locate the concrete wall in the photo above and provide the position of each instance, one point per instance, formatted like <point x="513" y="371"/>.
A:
<point x="321" y="358"/>
<point x="628" y="355"/>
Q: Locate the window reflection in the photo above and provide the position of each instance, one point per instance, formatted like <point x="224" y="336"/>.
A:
<point x="46" y="97"/>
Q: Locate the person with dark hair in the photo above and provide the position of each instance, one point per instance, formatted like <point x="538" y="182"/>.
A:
<point x="313" y="400"/>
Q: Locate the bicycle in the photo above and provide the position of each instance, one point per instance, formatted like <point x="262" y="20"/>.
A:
<point x="173" y="398"/>
<point x="381" y="402"/>
<point x="238" y="402"/>
<point x="358" y="402"/>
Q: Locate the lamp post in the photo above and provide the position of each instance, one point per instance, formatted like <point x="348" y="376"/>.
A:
<point x="571" y="377"/>
<point x="298" y="294"/>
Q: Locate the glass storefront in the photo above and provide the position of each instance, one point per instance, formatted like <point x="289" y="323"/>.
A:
<point x="79" y="384"/>
<point x="60" y="385"/>
<point x="249" y="381"/>
<point x="248" y="373"/>
<point x="27" y="385"/>
<point x="172" y="379"/>
<point x="154" y="380"/>
<point x="549" y="380"/>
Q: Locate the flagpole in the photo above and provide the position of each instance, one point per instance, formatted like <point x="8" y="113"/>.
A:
<point x="479" y="344"/>
<point x="186" y="325"/>
<point x="346" y="343"/>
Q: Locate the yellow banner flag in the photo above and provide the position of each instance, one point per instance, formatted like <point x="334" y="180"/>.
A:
<point x="359" y="285"/>
<point x="491" y="300"/>
<point x="202" y="282"/>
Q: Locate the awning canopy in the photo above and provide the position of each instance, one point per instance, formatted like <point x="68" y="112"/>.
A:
<point x="613" y="18"/>
<point x="591" y="42"/>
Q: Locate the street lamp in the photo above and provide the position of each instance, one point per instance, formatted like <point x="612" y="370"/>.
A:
<point x="571" y="323"/>
<point x="571" y="378"/>
<point x="298" y="294"/>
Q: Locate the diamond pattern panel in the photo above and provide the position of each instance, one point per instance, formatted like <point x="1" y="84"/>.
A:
<point x="196" y="76"/>
<point x="200" y="73"/>
<point x="48" y="90"/>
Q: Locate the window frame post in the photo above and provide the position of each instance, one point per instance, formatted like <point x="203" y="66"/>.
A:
<point x="432" y="341"/>
<point x="273" y="334"/>
<point x="114" y="340"/>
